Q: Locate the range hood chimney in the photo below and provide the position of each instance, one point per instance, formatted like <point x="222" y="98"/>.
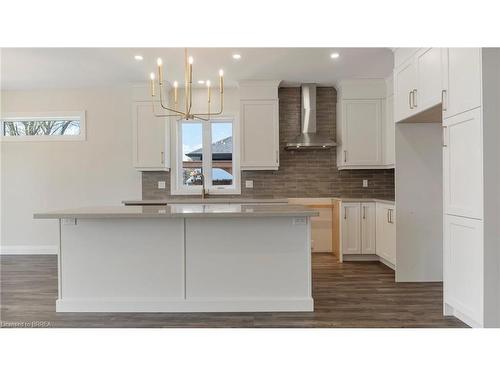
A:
<point x="308" y="139"/>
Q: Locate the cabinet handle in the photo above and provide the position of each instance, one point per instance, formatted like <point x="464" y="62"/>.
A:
<point x="409" y="99"/>
<point x="277" y="153"/>
<point x="415" y="98"/>
<point x="162" y="159"/>
<point x="345" y="156"/>
<point x="444" y="137"/>
<point x="364" y="212"/>
<point x="443" y="94"/>
<point x="388" y="213"/>
<point x="345" y="213"/>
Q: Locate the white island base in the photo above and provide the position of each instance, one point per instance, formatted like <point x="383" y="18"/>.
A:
<point x="200" y="264"/>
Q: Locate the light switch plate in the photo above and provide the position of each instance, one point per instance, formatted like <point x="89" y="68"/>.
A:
<point x="161" y="185"/>
<point x="299" y="221"/>
<point x="249" y="184"/>
<point x="365" y="183"/>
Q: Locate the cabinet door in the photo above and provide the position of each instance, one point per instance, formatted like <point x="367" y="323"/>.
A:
<point x="463" y="165"/>
<point x="429" y="62"/>
<point x="351" y="231"/>
<point x="389" y="132"/>
<point x="362" y="132"/>
<point x="259" y="134"/>
<point x="391" y="235"/>
<point x="404" y="84"/>
<point x="149" y="139"/>
<point x="464" y="81"/>
<point x="463" y="266"/>
<point x="386" y="232"/>
<point x="368" y="228"/>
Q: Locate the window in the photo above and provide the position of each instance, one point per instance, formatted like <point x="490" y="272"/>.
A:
<point x="205" y="149"/>
<point x="41" y="127"/>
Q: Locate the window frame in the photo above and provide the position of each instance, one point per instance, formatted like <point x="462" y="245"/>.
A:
<point x="36" y="116"/>
<point x="177" y="186"/>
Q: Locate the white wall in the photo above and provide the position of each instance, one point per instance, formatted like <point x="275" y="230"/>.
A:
<point x="41" y="176"/>
<point x="419" y="197"/>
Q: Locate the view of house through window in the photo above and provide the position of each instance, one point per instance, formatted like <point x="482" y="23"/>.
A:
<point x="215" y="160"/>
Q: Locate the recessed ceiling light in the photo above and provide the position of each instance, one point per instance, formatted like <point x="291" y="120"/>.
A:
<point x="236" y="56"/>
<point x="335" y="55"/>
<point x="138" y="57"/>
<point x="201" y="82"/>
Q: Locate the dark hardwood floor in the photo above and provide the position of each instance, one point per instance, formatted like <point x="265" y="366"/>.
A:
<point x="361" y="294"/>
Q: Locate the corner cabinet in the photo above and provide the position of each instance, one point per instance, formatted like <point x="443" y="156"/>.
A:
<point x="364" y="140"/>
<point x="259" y="125"/>
<point x="150" y="139"/>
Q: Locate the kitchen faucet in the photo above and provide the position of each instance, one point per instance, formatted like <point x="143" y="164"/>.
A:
<point x="204" y="193"/>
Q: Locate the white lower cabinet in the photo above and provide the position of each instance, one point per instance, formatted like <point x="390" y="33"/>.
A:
<point x="368" y="244"/>
<point x="386" y="232"/>
<point x="358" y="228"/>
<point x="463" y="268"/>
<point x="351" y="228"/>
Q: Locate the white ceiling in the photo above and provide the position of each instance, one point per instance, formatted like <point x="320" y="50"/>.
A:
<point x="36" y="68"/>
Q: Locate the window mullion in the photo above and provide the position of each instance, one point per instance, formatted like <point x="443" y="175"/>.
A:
<point x="207" y="153"/>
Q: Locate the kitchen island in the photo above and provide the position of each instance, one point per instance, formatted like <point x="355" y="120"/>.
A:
<point x="184" y="258"/>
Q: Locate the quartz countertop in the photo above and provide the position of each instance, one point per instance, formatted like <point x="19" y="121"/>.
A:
<point x="387" y="201"/>
<point x="181" y="211"/>
<point x="196" y="200"/>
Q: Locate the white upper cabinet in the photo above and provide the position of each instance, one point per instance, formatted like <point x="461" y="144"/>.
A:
<point x="463" y="82"/>
<point x="405" y="82"/>
<point x="259" y="124"/>
<point x="351" y="228"/>
<point x="429" y="64"/>
<point x="463" y="165"/>
<point x="368" y="228"/>
<point x="150" y="141"/>
<point x="419" y="82"/>
<point x="362" y="131"/>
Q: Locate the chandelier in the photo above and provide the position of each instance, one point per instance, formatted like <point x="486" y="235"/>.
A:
<point x="188" y="93"/>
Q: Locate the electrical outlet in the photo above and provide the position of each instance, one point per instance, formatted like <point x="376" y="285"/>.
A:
<point x="365" y="183"/>
<point x="161" y="185"/>
<point x="249" y="184"/>
<point x="299" y="221"/>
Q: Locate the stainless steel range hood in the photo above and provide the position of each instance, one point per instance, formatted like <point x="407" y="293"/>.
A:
<point x="309" y="139"/>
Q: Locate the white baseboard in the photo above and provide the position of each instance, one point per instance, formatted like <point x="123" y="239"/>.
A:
<point x="25" y="250"/>
<point x="182" y="305"/>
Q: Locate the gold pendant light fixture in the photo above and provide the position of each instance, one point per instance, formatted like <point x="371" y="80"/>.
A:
<point x="188" y="93"/>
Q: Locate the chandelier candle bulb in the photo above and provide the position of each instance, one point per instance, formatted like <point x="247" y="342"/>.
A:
<point x="221" y="81"/>
<point x="160" y="71"/>
<point x="176" y="85"/>
<point x="152" y="76"/>
<point x="208" y="90"/>
<point x="190" y="69"/>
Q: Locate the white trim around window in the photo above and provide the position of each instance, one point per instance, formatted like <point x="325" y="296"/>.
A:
<point x="44" y="116"/>
<point x="176" y="175"/>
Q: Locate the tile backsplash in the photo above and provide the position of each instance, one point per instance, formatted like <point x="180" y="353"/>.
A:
<point x="307" y="173"/>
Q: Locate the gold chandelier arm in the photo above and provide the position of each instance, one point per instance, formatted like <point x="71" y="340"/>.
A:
<point x="200" y="118"/>
<point x="214" y="113"/>
<point x="164" y="106"/>
<point x="163" y="115"/>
